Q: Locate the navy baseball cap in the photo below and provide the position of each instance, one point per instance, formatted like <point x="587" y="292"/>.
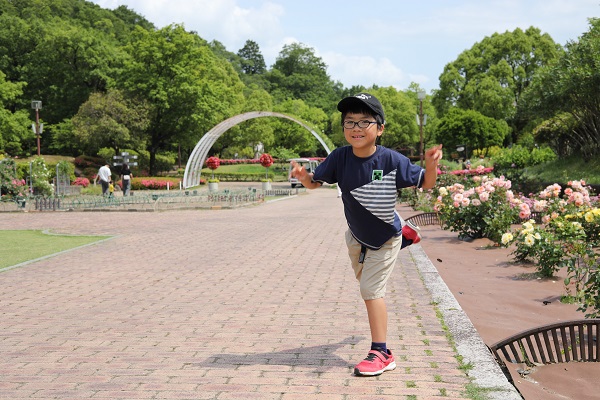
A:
<point x="362" y="99"/>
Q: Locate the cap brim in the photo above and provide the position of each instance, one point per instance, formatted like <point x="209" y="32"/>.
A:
<point x="347" y="103"/>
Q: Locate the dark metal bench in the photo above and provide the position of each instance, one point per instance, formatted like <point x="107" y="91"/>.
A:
<point x="555" y="343"/>
<point x="427" y="218"/>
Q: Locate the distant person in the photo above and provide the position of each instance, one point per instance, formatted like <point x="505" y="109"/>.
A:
<point x="111" y="189"/>
<point x="126" y="177"/>
<point x="104" y="175"/>
<point x="369" y="175"/>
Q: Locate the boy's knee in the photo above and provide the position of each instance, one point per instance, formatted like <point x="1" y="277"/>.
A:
<point x="367" y="293"/>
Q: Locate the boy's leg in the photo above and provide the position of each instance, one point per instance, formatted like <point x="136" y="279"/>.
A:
<point x="373" y="274"/>
<point x="378" y="319"/>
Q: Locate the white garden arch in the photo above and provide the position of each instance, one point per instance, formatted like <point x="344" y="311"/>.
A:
<point x="194" y="165"/>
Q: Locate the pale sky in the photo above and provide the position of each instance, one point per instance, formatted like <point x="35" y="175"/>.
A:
<point x="382" y="42"/>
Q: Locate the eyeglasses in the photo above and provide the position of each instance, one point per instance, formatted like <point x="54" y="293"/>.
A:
<point x="363" y="124"/>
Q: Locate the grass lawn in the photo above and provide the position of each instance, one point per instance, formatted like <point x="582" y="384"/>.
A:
<point x="566" y="169"/>
<point x="21" y="246"/>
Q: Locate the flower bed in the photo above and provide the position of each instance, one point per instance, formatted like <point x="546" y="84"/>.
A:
<point x="81" y="181"/>
<point x="566" y="236"/>
<point x="156" y="183"/>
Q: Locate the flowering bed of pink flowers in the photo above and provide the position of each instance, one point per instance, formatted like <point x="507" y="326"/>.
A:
<point x="154" y="183"/>
<point x="486" y="209"/>
<point x="81" y="181"/>
<point x="480" y="170"/>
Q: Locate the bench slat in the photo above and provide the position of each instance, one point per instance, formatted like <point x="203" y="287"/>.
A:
<point x="427" y="218"/>
<point x="555" y="343"/>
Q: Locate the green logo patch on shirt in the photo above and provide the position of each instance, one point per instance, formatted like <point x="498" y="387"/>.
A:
<point x="377" y="175"/>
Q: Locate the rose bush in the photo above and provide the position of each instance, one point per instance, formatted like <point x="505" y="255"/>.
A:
<point x="485" y="210"/>
<point x="81" y="181"/>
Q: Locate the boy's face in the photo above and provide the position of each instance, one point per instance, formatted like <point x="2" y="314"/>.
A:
<point x="362" y="140"/>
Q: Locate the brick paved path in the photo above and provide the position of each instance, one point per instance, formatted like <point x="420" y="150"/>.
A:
<point x="250" y="303"/>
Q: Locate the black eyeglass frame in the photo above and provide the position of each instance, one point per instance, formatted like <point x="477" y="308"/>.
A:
<point x="362" y="124"/>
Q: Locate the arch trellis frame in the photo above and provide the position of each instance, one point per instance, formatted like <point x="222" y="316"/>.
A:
<point x="194" y="165"/>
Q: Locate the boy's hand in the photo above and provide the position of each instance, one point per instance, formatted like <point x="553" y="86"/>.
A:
<point x="303" y="176"/>
<point x="298" y="171"/>
<point x="434" y="154"/>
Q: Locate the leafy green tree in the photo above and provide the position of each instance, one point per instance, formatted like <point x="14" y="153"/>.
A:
<point x="253" y="62"/>
<point x="131" y="19"/>
<point x="18" y="39"/>
<point x="401" y="130"/>
<point x="14" y="126"/>
<point x="253" y="71"/>
<point x="471" y="128"/>
<point x="187" y="88"/>
<point x="110" y="120"/>
<point x="64" y="141"/>
<point x="67" y="66"/>
<point x="248" y="134"/>
<point x="64" y="50"/>
<point x="565" y="95"/>
<point x="299" y="74"/>
<point x="296" y="138"/>
<point x="492" y="76"/>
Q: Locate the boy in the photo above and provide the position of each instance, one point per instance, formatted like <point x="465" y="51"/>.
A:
<point x="111" y="189"/>
<point x="368" y="176"/>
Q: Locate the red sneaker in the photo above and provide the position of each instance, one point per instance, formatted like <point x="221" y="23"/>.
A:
<point x="375" y="364"/>
<point x="410" y="234"/>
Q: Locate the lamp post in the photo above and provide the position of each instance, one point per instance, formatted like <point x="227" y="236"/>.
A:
<point x="422" y="121"/>
<point x="37" y="128"/>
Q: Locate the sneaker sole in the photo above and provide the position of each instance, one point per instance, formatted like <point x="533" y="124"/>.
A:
<point x="391" y="366"/>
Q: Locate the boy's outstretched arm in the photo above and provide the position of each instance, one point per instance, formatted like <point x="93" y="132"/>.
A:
<point x="433" y="156"/>
<point x="303" y="176"/>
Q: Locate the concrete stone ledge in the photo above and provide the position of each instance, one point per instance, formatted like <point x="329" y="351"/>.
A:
<point x="486" y="373"/>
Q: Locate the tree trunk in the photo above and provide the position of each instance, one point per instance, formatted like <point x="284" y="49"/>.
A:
<point x="152" y="166"/>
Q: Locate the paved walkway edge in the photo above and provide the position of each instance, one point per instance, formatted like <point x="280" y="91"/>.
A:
<point x="486" y="373"/>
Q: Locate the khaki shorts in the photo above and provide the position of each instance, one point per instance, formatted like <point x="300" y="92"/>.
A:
<point x="374" y="272"/>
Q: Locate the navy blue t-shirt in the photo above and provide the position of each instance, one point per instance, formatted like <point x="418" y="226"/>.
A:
<point x="369" y="190"/>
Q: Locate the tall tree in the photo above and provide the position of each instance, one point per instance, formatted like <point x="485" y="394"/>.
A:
<point x="300" y="74"/>
<point x="188" y="89"/>
<point x="14" y="126"/>
<point x="253" y="61"/>
<point x="469" y="127"/>
<point x="67" y="65"/>
<point x="491" y="76"/>
<point x="566" y="94"/>
<point x="110" y="120"/>
<point x="291" y="136"/>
